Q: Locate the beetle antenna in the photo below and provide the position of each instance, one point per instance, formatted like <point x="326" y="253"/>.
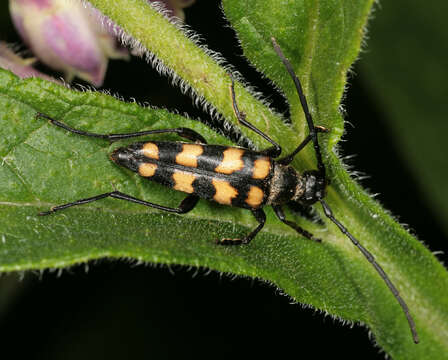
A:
<point x="329" y="213"/>
<point x="306" y="111"/>
<point x="327" y="210"/>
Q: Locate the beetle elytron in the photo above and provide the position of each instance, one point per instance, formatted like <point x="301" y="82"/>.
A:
<point x="231" y="176"/>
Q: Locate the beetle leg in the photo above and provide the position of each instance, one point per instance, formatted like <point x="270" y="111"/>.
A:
<point x="185" y="206"/>
<point x="261" y="218"/>
<point x="303" y="102"/>
<point x="182" y="132"/>
<point x="287" y="159"/>
<point x="273" y="151"/>
<point x="281" y="215"/>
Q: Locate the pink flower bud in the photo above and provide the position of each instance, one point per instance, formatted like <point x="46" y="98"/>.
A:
<point x="19" y="66"/>
<point x="65" y="36"/>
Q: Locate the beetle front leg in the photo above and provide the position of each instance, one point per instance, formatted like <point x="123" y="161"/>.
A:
<point x="289" y="158"/>
<point x="281" y="215"/>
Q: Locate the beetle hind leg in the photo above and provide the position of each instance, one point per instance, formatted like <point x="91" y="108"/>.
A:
<point x="186" y="133"/>
<point x="185" y="206"/>
<point x="261" y="218"/>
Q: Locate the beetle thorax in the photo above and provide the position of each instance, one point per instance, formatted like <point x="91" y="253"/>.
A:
<point x="286" y="185"/>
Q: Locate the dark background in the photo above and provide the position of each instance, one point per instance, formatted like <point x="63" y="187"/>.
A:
<point x="120" y="311"/>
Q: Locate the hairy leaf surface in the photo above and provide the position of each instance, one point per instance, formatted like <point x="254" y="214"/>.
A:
<point x="44" y="166"/>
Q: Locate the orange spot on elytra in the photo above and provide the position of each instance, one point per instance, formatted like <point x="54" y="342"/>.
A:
<point x="189" y="155"/>
<point x="147" y="169"/>
<point x="224" y="192"/>
<point x="183" y="181"/>
<point x="151" y="150"/>
<point x="231" y="162"/>
<point x="255" y="196"/>
<point x="261" y="169"/>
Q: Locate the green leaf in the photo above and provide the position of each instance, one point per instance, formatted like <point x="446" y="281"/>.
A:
<point x="409" y="84"/>
<point x="43" y="166"/>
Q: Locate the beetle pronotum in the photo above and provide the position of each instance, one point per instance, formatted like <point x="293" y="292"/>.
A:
<point x="231" y="176"/>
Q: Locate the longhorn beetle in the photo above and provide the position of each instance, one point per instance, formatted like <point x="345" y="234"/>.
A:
<point x="230" y="175"/>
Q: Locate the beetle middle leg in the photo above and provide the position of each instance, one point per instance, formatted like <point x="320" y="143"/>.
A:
<point x="261" y="218"/>
<point x="273" y="151"/>
<point x="281" y="215"/>
<point x="276" y="149"/>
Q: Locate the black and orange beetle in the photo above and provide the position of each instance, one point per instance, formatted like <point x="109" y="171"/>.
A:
<point x="230" y="175"/>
